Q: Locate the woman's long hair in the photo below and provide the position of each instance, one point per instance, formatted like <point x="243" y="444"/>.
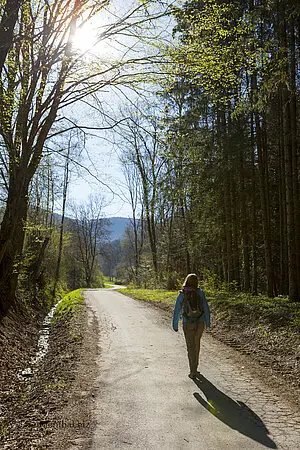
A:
<point x="191" y="281"/>
<point x="189" y="289"/>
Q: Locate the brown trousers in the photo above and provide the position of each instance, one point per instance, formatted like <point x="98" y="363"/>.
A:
<point x="193" y="333"/>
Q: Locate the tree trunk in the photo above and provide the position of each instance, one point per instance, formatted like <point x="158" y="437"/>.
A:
<point x="186" y="240"/>
<point x="284" y="276"/>
<point x="263" y="185"/>
<point x="7" y="25"/>
<point x="244" y="227"/>
<point x="61" y="231"/>
<point x="254" y="229"/>
<point x="12" y="235"/>
<point x="291" y="172"/>
<point x="295" y="157"/>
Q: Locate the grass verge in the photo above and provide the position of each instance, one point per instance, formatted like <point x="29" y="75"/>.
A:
<point x="108" y="285"/>
<point x="151" y="295"/>
<point x="71" y="304"/>
<point x="231" y="307"/>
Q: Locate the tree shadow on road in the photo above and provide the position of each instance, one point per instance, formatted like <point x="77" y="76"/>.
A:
<point x="233" y="413"/>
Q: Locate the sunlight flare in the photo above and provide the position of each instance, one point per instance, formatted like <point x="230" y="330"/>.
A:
<point x="85" y="39"/>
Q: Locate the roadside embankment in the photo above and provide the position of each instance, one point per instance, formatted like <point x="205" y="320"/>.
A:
<point x="36" y="411"/>
<point x="19" y="332"/>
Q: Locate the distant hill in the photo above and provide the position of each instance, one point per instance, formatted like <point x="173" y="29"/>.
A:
<point x="117" y="227"/>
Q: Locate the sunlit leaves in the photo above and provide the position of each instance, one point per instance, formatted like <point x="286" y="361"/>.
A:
<point x="213" y="42"/>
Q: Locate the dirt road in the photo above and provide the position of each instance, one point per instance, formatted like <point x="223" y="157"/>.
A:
<point x="146" y="400"/>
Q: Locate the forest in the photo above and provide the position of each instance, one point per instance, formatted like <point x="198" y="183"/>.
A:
<point x="214" y="158"/>
<point x="208" y="144"/>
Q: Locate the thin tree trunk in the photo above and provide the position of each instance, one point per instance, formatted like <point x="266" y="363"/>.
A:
<point x="185" y="231"/>
<point x="244" y="227"/>
<point x="295" y="150"/>
<point x="263" y="178"/>
<point x="254" y="217"/>
<point x="170" y="233"/>
<point x="61" y="230"/>
<point x="290" y="159"/>
<point x="283" y="277"/>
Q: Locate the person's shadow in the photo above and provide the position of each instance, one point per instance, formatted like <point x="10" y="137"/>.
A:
<point x="233" y="413"/>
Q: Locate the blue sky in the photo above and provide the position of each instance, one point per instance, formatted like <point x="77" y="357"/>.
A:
<point x="109" y="170"/>
<point x="100" y="154"/>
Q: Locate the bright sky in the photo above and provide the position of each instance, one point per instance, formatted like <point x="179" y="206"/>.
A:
<point x="102" y="159"/>
<point x="106" y="163"/>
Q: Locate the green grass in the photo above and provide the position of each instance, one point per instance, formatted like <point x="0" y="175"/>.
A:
<point x="151" y="295"/>
<point x="232" y="306"/>
<point x="112" y="281"/>
<point x="276" y="312"/>
<point x="108" y="285"/>
<point x="71" y="303"/>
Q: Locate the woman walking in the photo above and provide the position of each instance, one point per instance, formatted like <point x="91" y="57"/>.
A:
<point x="191" y="302"/>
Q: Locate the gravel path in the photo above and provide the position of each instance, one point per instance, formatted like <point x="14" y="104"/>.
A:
<point x="145" y="399"/>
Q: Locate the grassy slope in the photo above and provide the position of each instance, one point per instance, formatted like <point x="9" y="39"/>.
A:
<point x="151" y="295"/>
<point x="230" y="306"/>
<point x="71" y="303"/>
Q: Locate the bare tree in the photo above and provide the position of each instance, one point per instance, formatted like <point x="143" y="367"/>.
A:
<point x="62" y="220"/>
<point x="137" y="222"/>
<point x="142" y="149"/>
<point x="90" y="231"/>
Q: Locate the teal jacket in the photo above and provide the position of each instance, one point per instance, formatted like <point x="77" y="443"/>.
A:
<point x="178" y="309"/>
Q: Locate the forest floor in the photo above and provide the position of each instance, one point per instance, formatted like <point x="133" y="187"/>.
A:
<point x="41" y="411"/>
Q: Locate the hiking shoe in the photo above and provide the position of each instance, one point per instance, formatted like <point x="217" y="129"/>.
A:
<point x="193" y="376"/>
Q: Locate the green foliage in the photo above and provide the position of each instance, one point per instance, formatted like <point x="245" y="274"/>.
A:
<point x="151" y="295"/>
<point x="214" y="44"/>
<point x="275" y="313"/>
<point x="108" y="286"/>
<point x="60" y="291"/>
<point x="98" y="279"/>
<point x="71" y="303"/>
<point x="173" y="281"/>
<point x="38" y="265"/>
<point x="231" y="71"/>
<point x="229" y="306"/>
<point x="109" y="283"/>
<point x="213" y="283"/>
